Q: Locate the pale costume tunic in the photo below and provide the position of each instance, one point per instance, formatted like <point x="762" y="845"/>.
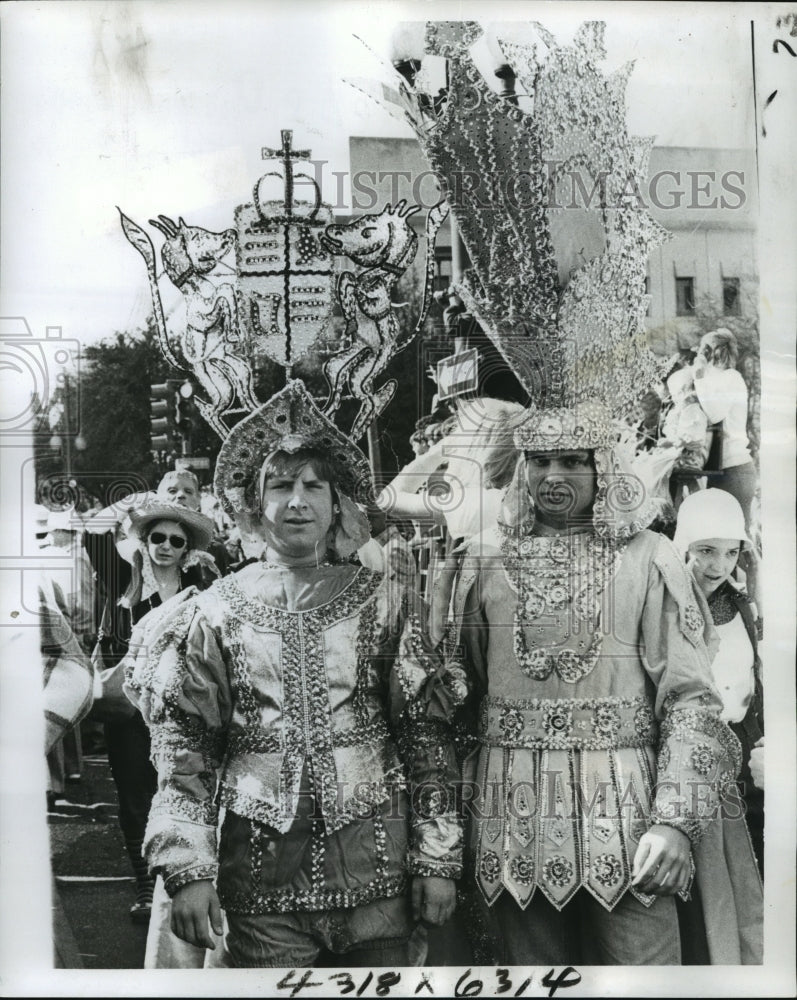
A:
<point x="281" y="686"/>
<point x="591" y="664"/>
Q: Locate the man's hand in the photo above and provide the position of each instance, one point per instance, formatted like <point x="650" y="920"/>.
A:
<point x="662" y="861"/>
<point x="433" y="899"/>
<point x="192" y="905"/>
<point x="757" y="764"/>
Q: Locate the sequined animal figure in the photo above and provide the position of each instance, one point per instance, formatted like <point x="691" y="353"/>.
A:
<point x="189" y="255"/>
<point x="384" y="245"/>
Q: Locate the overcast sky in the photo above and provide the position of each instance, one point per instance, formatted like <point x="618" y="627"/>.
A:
<point x="162" y="107"/>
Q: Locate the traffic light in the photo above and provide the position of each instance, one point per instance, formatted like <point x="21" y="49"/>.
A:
<point x="163" y="403"/>
<point x="186" y="409"/>
<point x="186" y="415"/>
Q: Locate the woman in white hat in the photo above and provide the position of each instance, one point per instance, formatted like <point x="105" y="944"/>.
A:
<point x="710" y="534"/>
<point x="736" y="666"/>
<point x="163" y="555"/>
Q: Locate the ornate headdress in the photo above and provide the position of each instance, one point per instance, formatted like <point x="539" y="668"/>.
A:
<point x="545" y="190"/>
<point x="278" y="305"/>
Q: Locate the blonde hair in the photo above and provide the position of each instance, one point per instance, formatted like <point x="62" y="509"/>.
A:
<point x="727" y="343"/>
<point x="483" y="435"/>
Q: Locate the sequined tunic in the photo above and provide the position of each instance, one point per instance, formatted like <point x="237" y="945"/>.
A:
<point x="598" y="715"/>
<point x="301" y="701"/>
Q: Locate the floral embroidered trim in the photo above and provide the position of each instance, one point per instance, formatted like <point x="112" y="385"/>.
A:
<point x="703" y="759"/>
<point x="195" y="874"/>
<point x="490" y="866"/>
<point x="558" y="870"/>
<point x="521" y="869"/>
<point x="567" y="724"/>
<point x="607" y="869"/>
<point x="692" y="623"/>
<point x="689" y="723"/>
<point x="306" y="725"/>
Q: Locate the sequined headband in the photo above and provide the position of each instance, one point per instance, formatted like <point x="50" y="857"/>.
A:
<point x="587" y="425"/>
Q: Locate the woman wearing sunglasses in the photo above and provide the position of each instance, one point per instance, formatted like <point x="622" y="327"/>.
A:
<point x="163" y="554"/>
<point x="167" y="557"/>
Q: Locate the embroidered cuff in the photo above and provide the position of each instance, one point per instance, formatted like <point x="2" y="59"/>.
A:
<point x="435" y="869"/>
<point x="195" y="874"/>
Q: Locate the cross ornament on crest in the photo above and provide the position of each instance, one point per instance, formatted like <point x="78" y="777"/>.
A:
<point x="287" y="154"/>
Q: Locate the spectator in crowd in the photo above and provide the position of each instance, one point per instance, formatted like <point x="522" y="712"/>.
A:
<point x="181" y="486"/>
<point x="71" y="574"/>
<point x="710" y="535"/>
<point x="722" y="394"/>
<point x="457" y="482"/>
<point x="137" y="574"/>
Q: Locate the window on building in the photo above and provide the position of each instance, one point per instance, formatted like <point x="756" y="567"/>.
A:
<point x="647" y="292"/>
<point x="684" y="296"/>
<point x="731" y="305"/>
<point x="442" y="274"/>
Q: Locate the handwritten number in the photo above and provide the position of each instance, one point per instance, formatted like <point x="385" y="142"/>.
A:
<point x="385" y="981"/>
<point x="288" y="982"/>
<point x="473" y="988"/>
<point x="523" y="987"/>
<point x="504" y="982"/>
<point x="789" y="49"/>
<point x="365" y="983"/>
<point x="561" y="981"/>
<point x="347" y="983"/>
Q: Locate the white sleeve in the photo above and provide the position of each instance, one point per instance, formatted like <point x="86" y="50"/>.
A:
<point x="718" y="391"/>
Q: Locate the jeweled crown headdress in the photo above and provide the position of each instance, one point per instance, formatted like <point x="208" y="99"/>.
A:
<point x="277" y="303"/>
<point x="546" y="195"/>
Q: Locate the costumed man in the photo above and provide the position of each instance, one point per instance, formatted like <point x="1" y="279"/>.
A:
<point x="599" y="745"/>
<point x="298" y="694"/>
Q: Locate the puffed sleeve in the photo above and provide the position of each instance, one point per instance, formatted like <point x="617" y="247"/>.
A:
<point x="697" y="754"/>
<point x="181" y="685"/>
<point x="424" y="693"/>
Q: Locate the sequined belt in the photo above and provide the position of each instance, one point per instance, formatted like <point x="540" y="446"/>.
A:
<point x="256" y="741"/>
<point x="567" y="723"/>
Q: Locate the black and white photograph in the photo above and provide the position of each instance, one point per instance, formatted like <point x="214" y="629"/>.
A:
<point x="398" y="457"/>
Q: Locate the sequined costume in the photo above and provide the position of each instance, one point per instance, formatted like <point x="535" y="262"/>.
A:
<point x="590" y="659"/>
<point x="301" y="686"/>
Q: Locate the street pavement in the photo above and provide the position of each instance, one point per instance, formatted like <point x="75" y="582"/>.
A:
<point x="93" y="881"/>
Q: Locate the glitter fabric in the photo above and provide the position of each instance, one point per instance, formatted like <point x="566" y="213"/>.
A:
<point x="579" y="760"/>
<point x="546" y="192"/>
<point x="250" y="694"/>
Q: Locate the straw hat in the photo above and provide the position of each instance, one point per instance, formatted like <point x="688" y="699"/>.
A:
<point x="197" y="525"/>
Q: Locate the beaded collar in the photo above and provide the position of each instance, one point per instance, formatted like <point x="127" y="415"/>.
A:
<point x="560" y="580"/>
